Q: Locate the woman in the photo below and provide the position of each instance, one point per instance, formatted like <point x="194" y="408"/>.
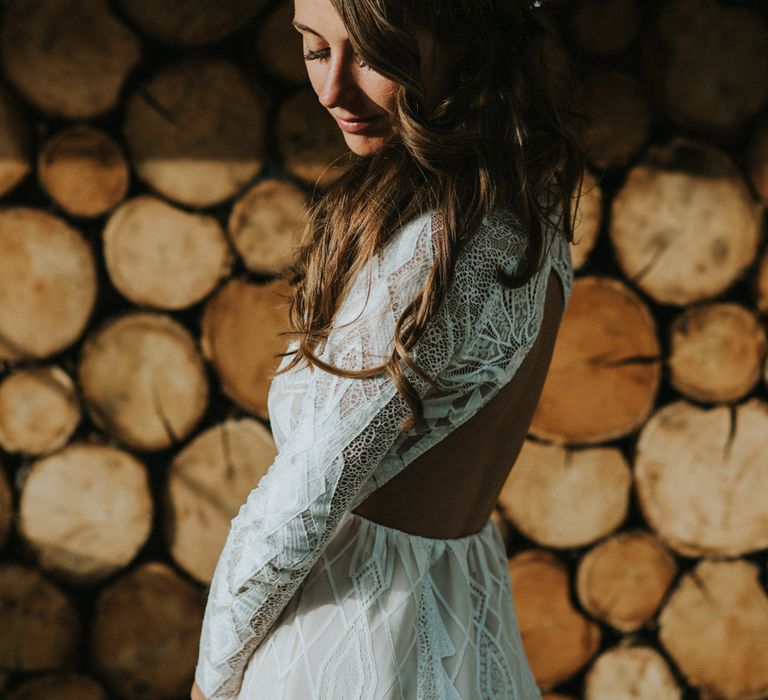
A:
<point x="430" y="284"/>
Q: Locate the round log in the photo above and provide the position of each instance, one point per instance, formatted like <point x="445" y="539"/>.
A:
<point x="757" y="160"/>
<point x="717" y="352"/>
<point x="39" y="410"/>
<point x="631" y="673"/>
<point x="310" y="142"/>
<point x="58" y="686"/>
<point x="160" y="256"/>
<point x="605" y="370"/>
<point x="192" y="23"/>
<point x="715" y="626"/>
<point x="143" y="380"/>
<point x="6" y="509"/>
<point x="240" y="327"/>
<point x="194" y="145"/>
<point x="47" y="284"/>
<point x="558" y="640"/>
<point x="588" y="219"/>
<point x="280" y="47"/>
<point x="704" y="80"/>
<point x="564" y="498"/>
<point x="623" y="579"/>
<point x="85" y="511"/>
<point x="16" y="163"/>
<point x="41" y="628"/>
<point x="146" y="631"/>
<point x="605" y="27"/>
<point x="266" y="225"/>
<point x="68" y="59"/>
<point x="684" y="225"/>
<point x="207" y="483"/>
<point x="83" y="170"/>
<point x="700" y="477"/>
<point x="620" y="118"/>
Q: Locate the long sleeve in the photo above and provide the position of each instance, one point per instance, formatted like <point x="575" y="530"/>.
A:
<point x="345" y="427"/>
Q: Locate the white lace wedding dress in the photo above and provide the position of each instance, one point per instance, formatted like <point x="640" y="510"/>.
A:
<point x="309" y="600"/>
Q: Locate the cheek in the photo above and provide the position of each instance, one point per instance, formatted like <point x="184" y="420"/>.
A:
<point x="381" y="90"/>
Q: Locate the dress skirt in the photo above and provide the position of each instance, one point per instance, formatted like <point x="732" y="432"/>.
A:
<point x="386" y="615"/>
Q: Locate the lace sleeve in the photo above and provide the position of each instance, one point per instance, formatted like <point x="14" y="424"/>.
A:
<point x="345" y="427"/>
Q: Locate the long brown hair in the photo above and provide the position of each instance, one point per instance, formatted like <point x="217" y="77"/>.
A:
<point x="506" y="135"/>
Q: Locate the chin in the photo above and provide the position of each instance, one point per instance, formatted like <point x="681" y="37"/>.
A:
<point x="364" y="145"/>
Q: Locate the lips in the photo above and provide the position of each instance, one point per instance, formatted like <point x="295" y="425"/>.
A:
<point x="356" y="119"/>
<point x="358" y="124"/>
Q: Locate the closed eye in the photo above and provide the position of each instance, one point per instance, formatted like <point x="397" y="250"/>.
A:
<point x="322" y="55"/>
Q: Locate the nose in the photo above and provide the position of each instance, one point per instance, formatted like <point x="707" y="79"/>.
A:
<point x="338" y="86"/>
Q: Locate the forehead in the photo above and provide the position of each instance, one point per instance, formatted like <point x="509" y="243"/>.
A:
<point x="318" y="17"/>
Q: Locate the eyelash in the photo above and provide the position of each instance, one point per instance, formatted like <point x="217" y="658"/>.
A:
<point x="323" y="55"/>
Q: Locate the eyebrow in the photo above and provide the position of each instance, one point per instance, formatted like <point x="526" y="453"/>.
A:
<point x="298" y="25"/>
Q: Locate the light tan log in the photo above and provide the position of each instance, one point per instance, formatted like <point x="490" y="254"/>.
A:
<point x="39" y="410"/>
<point x="195" y="145"/>
<point x="700" y="477"/>
<point x="605" y="27"/>
<point x="83" y="170"/>
<point x="68" y="61"/>
<point x="757" y="159"/>
<point x="6" y="508"/>
<point x="629" y="672"/>
<point x="193" y="22"/>
<point x="240" y="327"/>
<point x="715" y="627"/>
<point x="557" y="696"/>
<point x="208" y="481"/>
<point x="15" y="163"/>
<point x="717" y="352"/>
<point x="623" y="579"/>
<point x="58" y="686"/>
<point x="684" y="225"/>
<point x="47" y="284"/>
<point x="558" y="640"/>
<point x="85" y="511"/>
<point x="588" y="219"/>
<point x="566" y="498"/>
<point x="266" y="225"/>
<point x="761" y="283"/>
<point x="280" y="45"/>
<point x="143" y="380"/>
<point x="620" y="118"/>
<point x="41" y="628"/>
<point x="160" y="256"/>
<point x="311" y="144"/>
<point x="706" y="81"/>
<point x="145" y="633"/>
<point x="605" y="370"/>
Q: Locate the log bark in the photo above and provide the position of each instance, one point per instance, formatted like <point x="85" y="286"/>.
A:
<point x="557" y="638"/>
<point x="717" y="352"/>
<point x="266" y="225"/>
<point x="240" y="340"/>
<point x="146" y="631"/>
<point x="160" y="256"/>
<point x="68" y="62"/>
<point x="85" y="511"/>
<point x="143" y="380"/>
<point x="700" y="477"/>
<point x="39" y="410"/>
<point x="607" y="354"/>
<point x="684" y="225"/>
<point x="84" y="171"/>
<point x="631" y="672"/>
<point x="41" y="628"/>
<point x="47" y="284"/>
<point x="715" y="626"/>
<point x="194" y="145"/>
<point x="623" y="579"/>
<point x="565" y="498"/>
<point x="311" y="144"/>
<point x="208" y="481"/>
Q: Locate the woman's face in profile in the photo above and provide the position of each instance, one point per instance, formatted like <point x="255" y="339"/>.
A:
<point x="358" y="98"/>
